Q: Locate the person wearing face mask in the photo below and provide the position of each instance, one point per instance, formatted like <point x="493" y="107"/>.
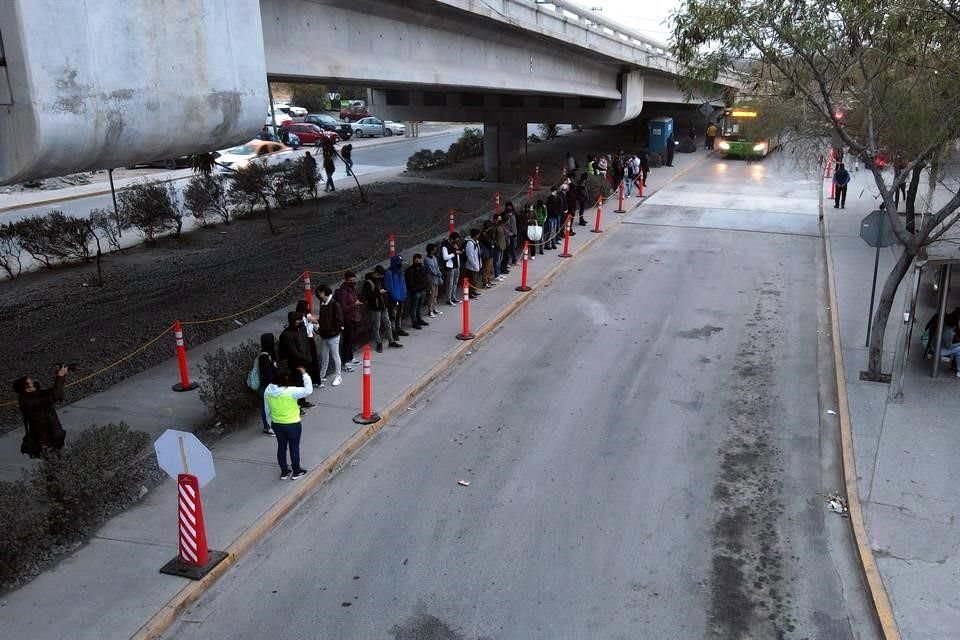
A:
<point x="346" y="297"/>
<point x="418" y="282"/>
<point x="43" y="429"/>
<point x="374" y="296"/>
<point x="294" y="351"/>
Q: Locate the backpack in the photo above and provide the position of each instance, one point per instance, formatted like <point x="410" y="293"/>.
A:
<point x="253" y="377"/>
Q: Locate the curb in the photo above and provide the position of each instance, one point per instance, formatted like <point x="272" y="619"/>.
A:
<point x="191" y="592"/>
<point x="868" y="563"/>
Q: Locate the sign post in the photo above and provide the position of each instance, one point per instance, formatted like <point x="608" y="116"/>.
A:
<point x="184" y="458"/>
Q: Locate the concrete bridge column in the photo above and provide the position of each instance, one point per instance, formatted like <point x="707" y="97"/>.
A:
<point x="505" y="151"/>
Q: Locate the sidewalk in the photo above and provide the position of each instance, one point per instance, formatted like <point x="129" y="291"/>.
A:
<point x="907" y="469"/>
<point x="111" y="587"/>
<point x="100" y="184"/>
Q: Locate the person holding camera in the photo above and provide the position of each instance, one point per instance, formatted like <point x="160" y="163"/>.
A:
<point x="44" y="431"/>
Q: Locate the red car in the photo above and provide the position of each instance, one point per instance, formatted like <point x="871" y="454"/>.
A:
<point x="354" y="113"/>
<point x="310" y="133"/>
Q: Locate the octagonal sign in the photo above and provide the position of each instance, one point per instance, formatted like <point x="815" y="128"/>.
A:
<point x="181" y="452"/>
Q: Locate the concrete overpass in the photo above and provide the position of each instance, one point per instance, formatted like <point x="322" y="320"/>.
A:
<point x="95" y="84"/>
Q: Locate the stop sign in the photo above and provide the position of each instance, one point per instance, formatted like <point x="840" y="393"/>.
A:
<point x="181" y="452"/>
<point x="875" y="229"/>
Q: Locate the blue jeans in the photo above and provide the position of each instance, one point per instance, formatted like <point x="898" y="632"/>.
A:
<point x="288" y="435"/>
<point x="512" y="250"/>
<point x="416" y="307"/>
<point x="628" y="184"/>
<point x="264" y="416"/>
<point x="549" y="232"/>
<point x="497" y="258"/>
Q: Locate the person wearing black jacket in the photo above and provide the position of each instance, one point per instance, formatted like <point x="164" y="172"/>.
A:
<point x="43" y="428"/>
<point x="374" y="296"/>
<point x="418" y="281"/>
<point x="554" y="211"/>
<point x="267" y="366"/>
<point x="294" y="350"/>
<point x="329" y="328"/>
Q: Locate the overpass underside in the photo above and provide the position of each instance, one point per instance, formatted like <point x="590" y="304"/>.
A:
<point x="431" y="61"/>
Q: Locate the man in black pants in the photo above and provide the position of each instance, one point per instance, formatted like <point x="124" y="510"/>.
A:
<point x="840" y="180"/>
<point x="670" y="145"/>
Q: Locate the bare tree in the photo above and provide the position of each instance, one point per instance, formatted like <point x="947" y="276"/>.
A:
<point x="874" y="76"/>
<point x="206" y="197"/>
<point x="152" y="208"/>
<point x="251" y="186"/>
<point x="10" y="250"/>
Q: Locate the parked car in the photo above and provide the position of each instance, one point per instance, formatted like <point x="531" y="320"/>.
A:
<point x="289" y="109"/>
<point x="329" y="123"/>
<point x="394" y="128"/>
<point x="354" y="112"/>
<point x="310" y="133"/>
<point x="281" y="118"/>
<point x="167" y="163"/>
<point x="273" y="153"/>
<point x="370" y="127"/>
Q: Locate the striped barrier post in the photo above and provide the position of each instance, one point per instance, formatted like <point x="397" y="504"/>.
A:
<point x="566" y="238"/>
<point x="451" y="221"/>
<point x="393" y="246"/>
<point x="307" y="291"/>
<point x="620" y="208"/>
<point x="367" y="415"/>
<point x="193" y="535"/>
<point x="496" y="203"/>
<point x="596" y="225"/>
<point x="530" y="189"/>
<point x="465" y="312"/>
<point x="184" y="384"/>
<point x="523" y="273"/>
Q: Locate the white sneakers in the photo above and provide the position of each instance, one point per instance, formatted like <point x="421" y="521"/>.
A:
<point x="337" y="381"/>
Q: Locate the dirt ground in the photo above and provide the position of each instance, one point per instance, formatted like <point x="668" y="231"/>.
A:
<point x="59" y="315"/>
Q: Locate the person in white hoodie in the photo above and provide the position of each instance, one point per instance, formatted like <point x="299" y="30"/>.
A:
<point x="281" y="403"/>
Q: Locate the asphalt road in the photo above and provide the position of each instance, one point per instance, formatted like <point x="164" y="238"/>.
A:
<point x="644" y="446"/>
<point x="367" y="159"/>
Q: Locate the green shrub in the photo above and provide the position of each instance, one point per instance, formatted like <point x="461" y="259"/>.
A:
<point x="223" y="386"/>
<point x="97" y="475"/>
<point x="23" y="513"/>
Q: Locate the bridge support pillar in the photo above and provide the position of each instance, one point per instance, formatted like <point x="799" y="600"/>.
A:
<point x="505" y="151"/>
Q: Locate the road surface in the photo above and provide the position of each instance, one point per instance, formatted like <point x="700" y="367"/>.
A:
<point x="645" y="452"/>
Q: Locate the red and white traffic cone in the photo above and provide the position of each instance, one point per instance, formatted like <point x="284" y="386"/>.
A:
<point x="620" y="208"/>
<point x="596" y="225"/>
<point x="465" y="312"/>
<point x="393" y="246"/>
<point x="367" y="415"/>
<point x="566" y="238"/>
<point x="184" y="384"/>
<point x="307" y="291"/>
<point x="523" y="271"/>
<point x="193" y="535"/>
<point x="451" y="221"/>
<point x="639" y="183"/>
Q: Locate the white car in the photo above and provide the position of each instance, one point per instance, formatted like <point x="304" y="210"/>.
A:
<point x="394" y="128"/>
<point x="281" y="118"/>
<point x="272" y="153"/>
<point x="289" y="109"/>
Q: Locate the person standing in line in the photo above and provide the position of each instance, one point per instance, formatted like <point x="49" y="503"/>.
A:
<point x="841" y="178"/>
<point x="346" y="152"/>
<point x="450" y="254"/>
<point x="500" y="245"/>
<point x="633" y="172"/>
<point x="310" y="173"/>
<point x="435" y="279"/>
<point x="267" y="367"/>
<point x="281" y="400"/>
<point x="309" y="328"/>
<point x="293" y="351"/>
<point x="671" y="143"/>
<point x="350" y="305"/>
<point x="471" y="263"/>
<point x="328" y="167"/>
<point x="571" y="163"/>
<point x="43" y="429"/>
<point x="329" y="327"/>
<point x="510" y="229"/>
<point x="591" y="165"/>
<point x="644" y="166"/>
<point x="374" y="296"/>
<point x="552" y="230"/>
<point x="418" y="281"/>
<point x="396" y="287"/>
<point x="711" y="136"/>
<point x="487" y="253"/>
<point x="540" y="219"/>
